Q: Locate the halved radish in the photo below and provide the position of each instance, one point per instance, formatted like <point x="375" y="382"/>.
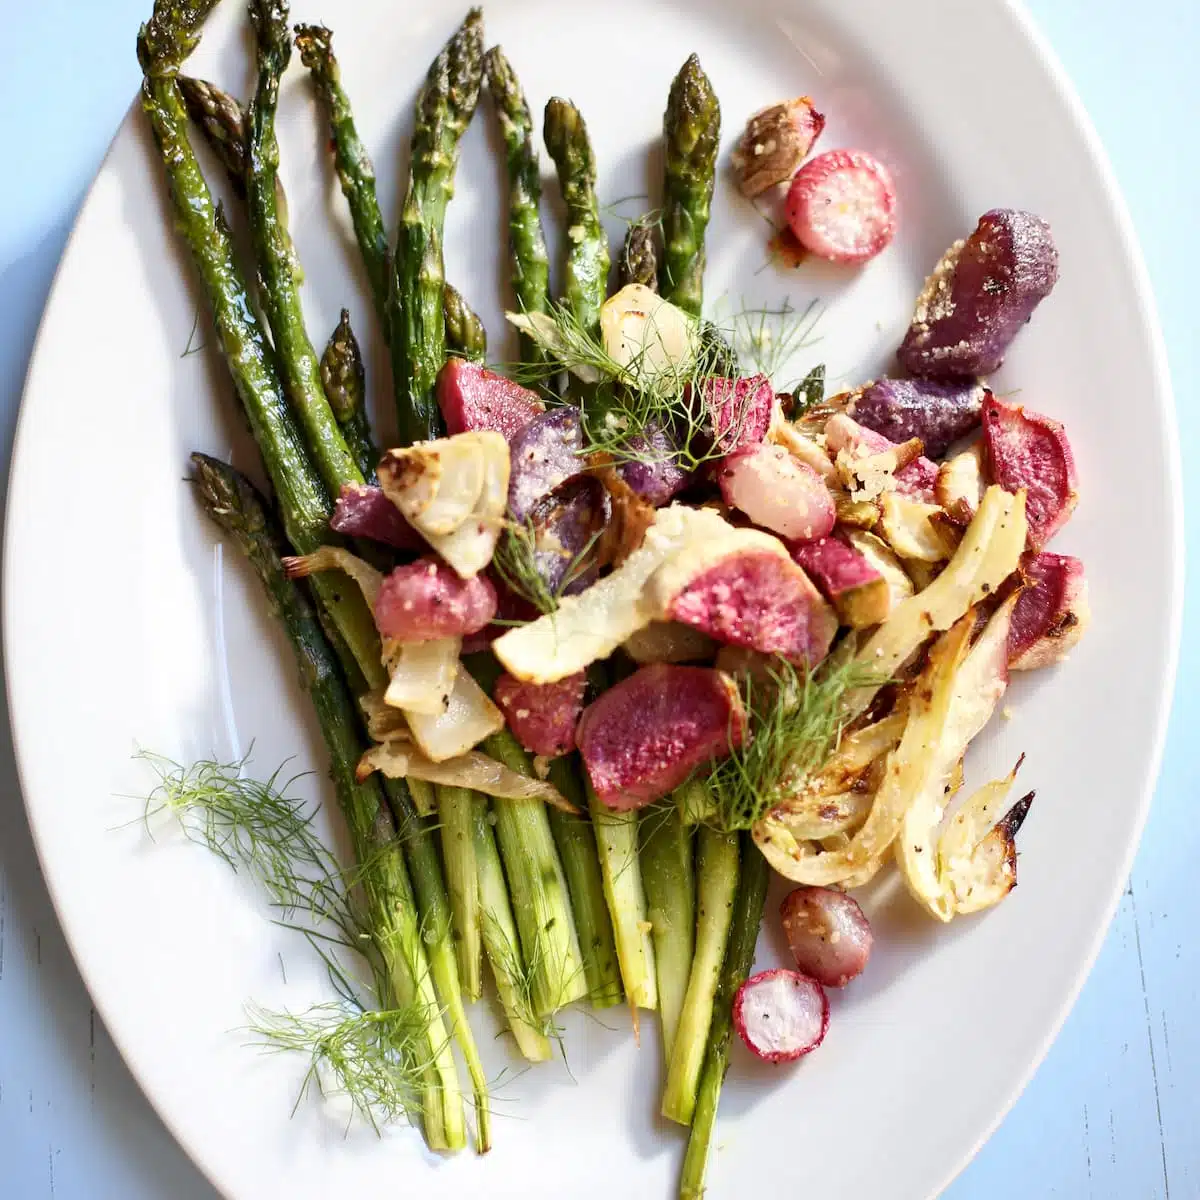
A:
<point x="842" y="206"/>
<point x="781" y="1015"/>
<point x="777" y="492"/>
<point x="827" y="933"/>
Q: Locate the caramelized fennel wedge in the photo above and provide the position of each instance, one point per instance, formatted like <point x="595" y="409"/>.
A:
<point x="987" y="555"/>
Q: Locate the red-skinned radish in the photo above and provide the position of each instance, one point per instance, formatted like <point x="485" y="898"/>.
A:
<point x="426" y="600"/>
<point x="828" y="935"/>
<point x="543" y="716"/>
<point x="739" y="410"/>
<point x="842" y="206"/>
<point x="858" y="592"/>
<point x="1027" y="450"/>
<point x="471" y="397"/>
<point x="1051" y="614"/>
<point x="748" y="592"/>
<point x="642" y="738"/>
<point x="362" y="510"/>
<point x="781" y="1015"/>
<point x="777" y="492"/>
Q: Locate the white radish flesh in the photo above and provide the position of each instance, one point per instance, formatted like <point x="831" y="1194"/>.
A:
<point x="781" y="1015"/>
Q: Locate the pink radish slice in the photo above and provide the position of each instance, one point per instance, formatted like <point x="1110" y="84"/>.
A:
<point x="542" y="717"/>
<point x="472" y="397"/>
<point x="828" y="934"/>
<point x="760" y="600"/>
<point x="1052" y="612"/>
<point x="1030" y="451"/>
<point x="643" y="737"/>
<point x="842" y="206"/>
<point x="362" y="510"/>
<point x="781" y="1015"/>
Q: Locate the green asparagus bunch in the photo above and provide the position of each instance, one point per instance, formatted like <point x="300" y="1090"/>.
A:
<point x="692" y="135"/>
<point x="530" y="270"/>
<point x="303" y="500"/>
<point x="233" y="504"/>
<point x="576" y="842"/>
<point x="544" y="920"/>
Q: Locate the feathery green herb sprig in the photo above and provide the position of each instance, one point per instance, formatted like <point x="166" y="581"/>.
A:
<point x="794" y="726"/>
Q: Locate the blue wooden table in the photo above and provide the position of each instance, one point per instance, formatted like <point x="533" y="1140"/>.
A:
<point x="1111" y="1115"/>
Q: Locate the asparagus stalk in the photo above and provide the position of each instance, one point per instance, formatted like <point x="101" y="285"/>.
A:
<point x="639" y="257"/>
<point x="530" y="270"/>
<point x="276" y="256"/>
<point x="345" y="382"/>
<point x="302" y="500"/>
<point x="535" y="876"/>
<point x="417" y="325"/>
<point x="717" y="875"/>
<point x="576" y="844"/>
<point x="355" y="171"/>
<point x="667" y="873"/>
<point x="528" y="259"/>
<point x="692" y="133"/>
<point x="500" y="938"/>
<point x="465" y="334"/>
<point x="455" y="807"/>
<point x="586" y="281"/>
<point x="230" y="500"/>
<point x="739" y="958"/>
<point x="222" y="120"/>
<point x="617" y="844"/>
<point x="695" y="803"/>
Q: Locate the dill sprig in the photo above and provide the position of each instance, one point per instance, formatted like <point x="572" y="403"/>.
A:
<point x="766" y="339"/>
<point x="794" y="724"/>
<point x="252" y="825"/>
<point x="357" y="1048"/>
<point x="370" y="1057"/>
<point x="632" y="404"/>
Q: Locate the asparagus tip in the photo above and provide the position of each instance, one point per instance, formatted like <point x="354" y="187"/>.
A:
<point x="315" y="44"/>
